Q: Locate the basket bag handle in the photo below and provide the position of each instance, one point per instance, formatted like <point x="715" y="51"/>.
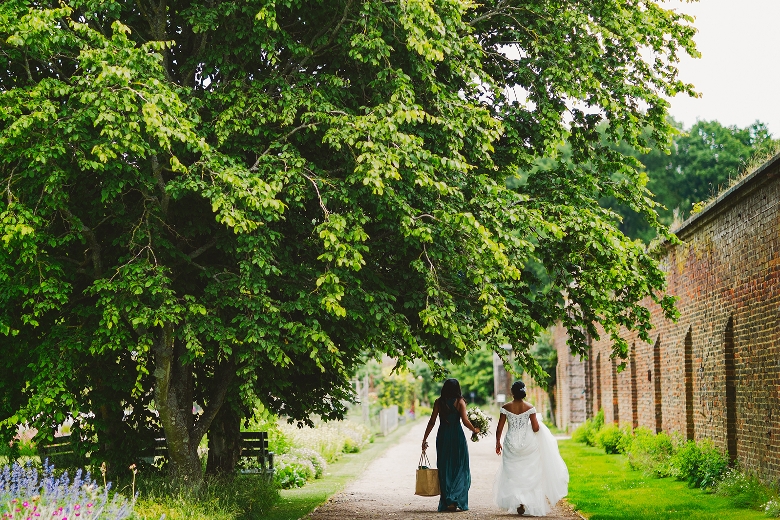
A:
<point x="424" y="462"/>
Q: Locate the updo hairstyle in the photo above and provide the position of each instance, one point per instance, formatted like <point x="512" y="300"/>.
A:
<point x="518" y="390"/>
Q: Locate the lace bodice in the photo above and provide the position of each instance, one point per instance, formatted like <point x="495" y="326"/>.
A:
<point x="519" y="426"/>
<point x="531" y="472"/>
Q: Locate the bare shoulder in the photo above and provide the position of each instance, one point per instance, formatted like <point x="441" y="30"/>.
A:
<point x="513" y="407"/>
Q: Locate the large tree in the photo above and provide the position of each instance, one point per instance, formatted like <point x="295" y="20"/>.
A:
<point x="211" y="201"/>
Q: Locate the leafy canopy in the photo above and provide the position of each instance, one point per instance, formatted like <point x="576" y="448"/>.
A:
<point x="228" y="200"/>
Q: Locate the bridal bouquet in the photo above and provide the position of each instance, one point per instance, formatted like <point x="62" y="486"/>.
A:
<point x="480" y="420"/>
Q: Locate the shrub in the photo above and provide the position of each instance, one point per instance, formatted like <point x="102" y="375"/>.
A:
<point x="398" y="389"/>
<point x="422" y="411"/>
<point x="613" y="438"/>
<point x="598" y="420"/>
<point x="587" y="431"/>
<point x="292" y="471"/>
<point x="26" y="493"/>
<point x="581" y="433"/>
<point x="350" y="446"/>
<point x="27" y="449"/>
<point x="317" y="460"/>
<point x="625" y="442"/>
<point x="652" y="453"/>
<point x="700" y="463"/>
<point x="264" y="421"/>
<point x="745" y="491"/>
<point x="772" y="508"/>
<point x="277" y="440"/>
<point x="356" y="436"/>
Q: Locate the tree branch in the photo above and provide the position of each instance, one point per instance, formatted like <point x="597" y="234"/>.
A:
<point x="224" y="376"/>
<point x="282" y="140"/>
<point x="316" y="51"/>
<point x="165" y="196"/>
<point x="319" y="196"/>
<point x="202" y="249"/>
<point x="94" y="245"/>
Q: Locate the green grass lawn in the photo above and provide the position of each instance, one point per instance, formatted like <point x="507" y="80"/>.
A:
<point x="296" y="503"/>
<point x="603" y="486"/>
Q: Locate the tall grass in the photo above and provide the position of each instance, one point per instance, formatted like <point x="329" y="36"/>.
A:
<point x="328" y="439"/>
<point x="245" y="497"/>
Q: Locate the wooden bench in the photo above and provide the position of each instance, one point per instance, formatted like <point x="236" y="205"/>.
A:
<point x="59" y="452"/>
<point x="254" y="445"/>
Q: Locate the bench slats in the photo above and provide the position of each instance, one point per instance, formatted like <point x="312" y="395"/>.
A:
<point x="253" y="445"/>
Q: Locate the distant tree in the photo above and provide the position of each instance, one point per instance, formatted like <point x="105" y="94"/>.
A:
<point x="475" y="374"/>
<point x="700" y="164"/>
<point x="212" y="202"/>
<point x="704" y="161"/>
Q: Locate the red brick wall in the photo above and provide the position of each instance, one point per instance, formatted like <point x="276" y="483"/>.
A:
<point x="728" y="268"/>
<point x="570" y="397"/>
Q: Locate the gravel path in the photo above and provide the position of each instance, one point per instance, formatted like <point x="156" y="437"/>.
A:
<point x="386" y="488"/>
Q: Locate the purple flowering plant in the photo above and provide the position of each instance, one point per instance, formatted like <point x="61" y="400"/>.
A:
<point x="27" y="494"/>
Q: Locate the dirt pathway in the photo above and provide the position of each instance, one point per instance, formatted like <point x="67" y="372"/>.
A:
<point x="386" y="488"/>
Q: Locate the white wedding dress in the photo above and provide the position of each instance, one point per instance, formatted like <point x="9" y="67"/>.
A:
<point x="532" y="472"/>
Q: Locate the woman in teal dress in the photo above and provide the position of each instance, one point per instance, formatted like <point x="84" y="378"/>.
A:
<point x="452" y="452"/>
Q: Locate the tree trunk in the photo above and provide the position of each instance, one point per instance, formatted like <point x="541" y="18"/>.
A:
<point x="173" y="400"/>
<point x="173" y="397"/>
<point x="224" y="442"/>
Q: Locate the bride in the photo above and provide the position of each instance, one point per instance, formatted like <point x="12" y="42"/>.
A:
<point x="532" y="476"/>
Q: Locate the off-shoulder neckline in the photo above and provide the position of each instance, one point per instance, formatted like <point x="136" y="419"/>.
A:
<point x="522" y="413"/>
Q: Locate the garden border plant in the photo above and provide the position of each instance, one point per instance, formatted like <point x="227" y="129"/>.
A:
<point x="303" y="454"/>
<point x="603" y="486"/>
<point x="27" y="492"/>
<point x="700" y="463"/>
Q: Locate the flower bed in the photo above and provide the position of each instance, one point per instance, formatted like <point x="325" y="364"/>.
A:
<point x="302" y="454"/>
<point x="25" y="492"/>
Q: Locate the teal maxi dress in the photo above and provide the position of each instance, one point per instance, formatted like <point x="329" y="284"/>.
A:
<point x="452" y="455"/>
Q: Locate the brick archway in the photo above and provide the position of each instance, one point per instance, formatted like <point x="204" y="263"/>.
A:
<point x="659" y="419"/>
<point x="731" y="390"/>
<point x="689" y="428"/>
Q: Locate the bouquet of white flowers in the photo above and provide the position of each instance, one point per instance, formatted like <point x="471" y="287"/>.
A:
<point x="480" y="420"/>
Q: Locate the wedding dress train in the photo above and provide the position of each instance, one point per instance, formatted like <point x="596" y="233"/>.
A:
<point x="532" y="472"/>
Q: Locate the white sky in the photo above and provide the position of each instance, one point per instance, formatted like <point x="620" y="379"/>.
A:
<point x="738" y="74"/>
